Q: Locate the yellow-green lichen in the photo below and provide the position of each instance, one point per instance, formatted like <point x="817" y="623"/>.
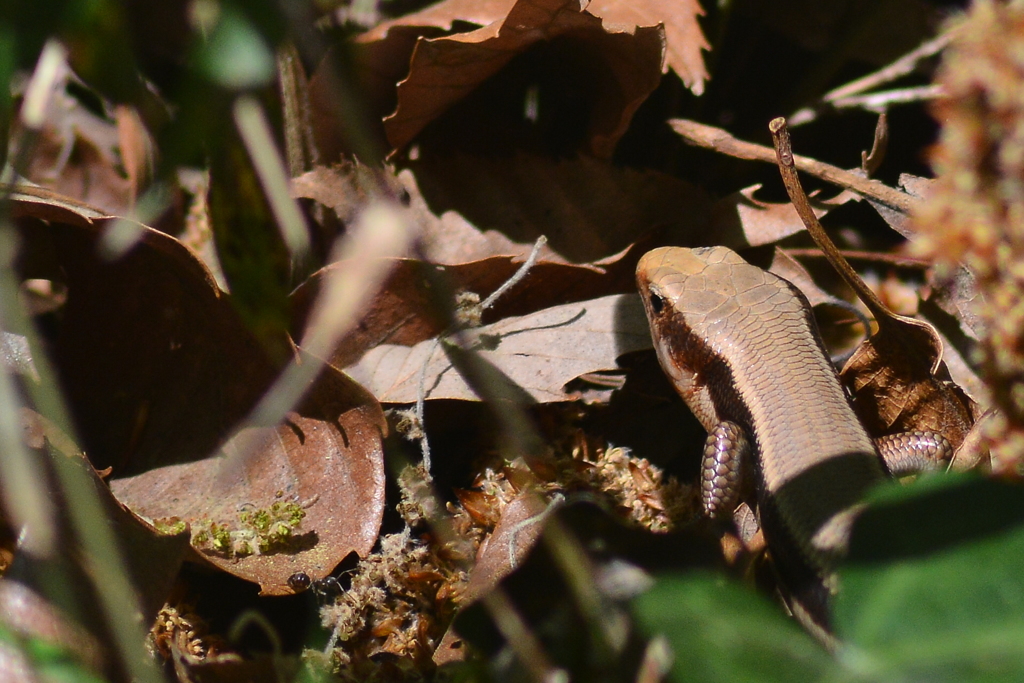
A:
<point x="170" y="525"/>
<point x="261" y="530"/>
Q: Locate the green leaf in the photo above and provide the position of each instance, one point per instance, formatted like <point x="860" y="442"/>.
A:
<point x="48" y="661"/>
<point x="934" y="589"/>
<point x="237" y="56"/>
<point x="7" y="67"/>
<point x="720" y="631"/>
<point x="252" y="254"/>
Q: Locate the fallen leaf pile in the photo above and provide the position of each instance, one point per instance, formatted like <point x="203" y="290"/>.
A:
<point x="359" y="468"/>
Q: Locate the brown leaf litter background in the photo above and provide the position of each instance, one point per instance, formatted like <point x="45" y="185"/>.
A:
<point x="606" y="128"/>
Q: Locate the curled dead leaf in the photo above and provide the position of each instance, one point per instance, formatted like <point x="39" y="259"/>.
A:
<point x="684" y="40"/>
<point x="310" y="491"/>
<point x="899" y="382"/>
<point x="158" y="369"/>
<point x="537" y="353"/>
<point x="404" y="313"/>
<point x="739" y="219"/>
<point x="444" y="70"/>
<point x="587" y="208"/>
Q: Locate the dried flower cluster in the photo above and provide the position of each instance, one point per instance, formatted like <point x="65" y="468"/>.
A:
<point x="400" y="601"/>
<point x="637" y="487"/>
<point x="178" y="632"/>
<point x="403" y="595"/>
<point x="975" y="215"/>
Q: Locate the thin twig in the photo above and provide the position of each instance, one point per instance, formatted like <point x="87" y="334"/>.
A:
<point x="421" y="392"/>
<point x="722" y="141"/>
<point x="518" y="275"/>
<point x="901" y="67"/>
<point x="788" y="168"/>
<point x="891" y="260"/>
<point x="880" y="101"/>
<point x="870" y="161"/>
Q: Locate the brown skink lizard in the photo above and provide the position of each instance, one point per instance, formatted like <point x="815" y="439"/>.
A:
<point x="742" y="348"/>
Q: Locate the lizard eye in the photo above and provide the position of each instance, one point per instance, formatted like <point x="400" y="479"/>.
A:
<point x="657" y="303"/>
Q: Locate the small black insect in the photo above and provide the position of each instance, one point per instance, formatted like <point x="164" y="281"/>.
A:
<point x="327" y="588"/>
<point x="299" y="581"/>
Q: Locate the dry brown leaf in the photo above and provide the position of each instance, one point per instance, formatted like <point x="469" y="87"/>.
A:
<point x="325" y="459"/>
<point x="513" y="537"/>
<point x="43" y="203"/>
<point x="537" y="353"/>
<point x="900" y="220"/>
<point x="957" y="350"/>
<point x="155" y="364"/>
<point x="444" y="70"/>
<point x="443" y="15"/>
<point x="917" y="186"/>
<point x="741" y="220"/>
<point x="515" y="534"/>
<point x="404" y="313"/>
<point x="377" y="66"/>
<point x="88" y="173"/>
<point x="560" y="204"/>
<point x="383" y="55"/>
<point x="158" y="369"/>
<point x="448" y="238"/>
<point x="953" y="305"/>
<point x="684" y="40"/>
<point x="77" y="152"/>
<point x="77" y="619"/>
<point x="347" y="188"/>
<point x="899" y="383"/>
<point x="587" y="209"/>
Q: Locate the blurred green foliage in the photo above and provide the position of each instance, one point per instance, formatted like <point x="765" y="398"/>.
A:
<point x="932" y="591"/>
<point x="48" y="661"/>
